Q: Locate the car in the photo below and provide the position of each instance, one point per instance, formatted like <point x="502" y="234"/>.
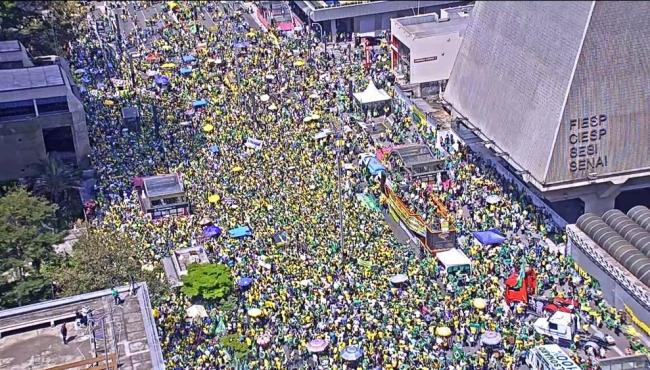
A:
<point x="551" y="307"/>
<point x="566" y="302"/>
<point x="602" y="339"/>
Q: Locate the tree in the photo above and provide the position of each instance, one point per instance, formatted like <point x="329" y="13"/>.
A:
<point x="210" y="281"/>
<point x="42" y="26"/>
<point x="234" y="344"/>
<point x="26" y="240"/>
<point x="54" y="179"/>
<point x="99" y="260"/>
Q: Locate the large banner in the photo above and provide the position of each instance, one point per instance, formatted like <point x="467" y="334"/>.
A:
<point x="401" y="212"/>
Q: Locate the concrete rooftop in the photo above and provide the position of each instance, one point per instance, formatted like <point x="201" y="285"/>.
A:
<point x="31" y="336"/>
<point x="30" y="78"/>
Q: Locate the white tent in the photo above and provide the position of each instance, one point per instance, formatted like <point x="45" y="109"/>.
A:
<point x="454" y="260"/>
<point x="371" y="94"/>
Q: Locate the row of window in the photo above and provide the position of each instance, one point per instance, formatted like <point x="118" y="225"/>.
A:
<point x="26" y="108"/>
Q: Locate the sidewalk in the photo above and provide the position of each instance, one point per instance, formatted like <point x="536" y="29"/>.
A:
<point x="254" y="15"/>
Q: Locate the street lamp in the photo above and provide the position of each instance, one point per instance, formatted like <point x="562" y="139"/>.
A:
<point x="338" y="143"/>
<point x="321" y="32"/>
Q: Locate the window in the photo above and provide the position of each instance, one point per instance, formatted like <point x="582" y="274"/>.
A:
<point x="17" y="109"/>
<point x="58" y="139"/>
<point x="57" y="104"/>
<point x="11" y="65"/>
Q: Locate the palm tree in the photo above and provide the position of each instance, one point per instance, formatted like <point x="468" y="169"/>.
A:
<point x="54" y="179"/>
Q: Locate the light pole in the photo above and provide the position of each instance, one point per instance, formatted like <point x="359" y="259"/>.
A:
<point x="338" y="143"/>
<point x="321" y="32"/>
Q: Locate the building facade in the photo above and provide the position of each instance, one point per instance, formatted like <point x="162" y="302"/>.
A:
<point x="39" y="114"/>
<point x="363" y="17"/>
<point x="614" y="249"/>
<point x="560" y="92"/>
<point x="14" y="55"/>
<point x="424" y="47"/>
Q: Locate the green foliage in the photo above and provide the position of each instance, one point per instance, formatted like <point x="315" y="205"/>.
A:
<point x="210" y="281"/>
<point x="100" y="259"/>
<point x="59" y="183"/>
<point x="233" y="344"/>
<point x="41" y="33"/>
<point x="229" y="304"/>
<point x="26" y="240"/>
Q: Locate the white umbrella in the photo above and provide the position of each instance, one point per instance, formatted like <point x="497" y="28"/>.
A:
<point x="491" y="338"/>
<point x="273" y="107"/>
<point x="196" y="311"/>
<point x="265" y="98"/>
<point x="317" y="345"/>
<point x="493" y="199"/>
<point x="152" y="73"/>
<point x="398" y="279"/>
<point x="80" y="71"/>
<point x="270" y="77"/>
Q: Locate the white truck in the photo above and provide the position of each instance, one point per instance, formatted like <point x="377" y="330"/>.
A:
<point x="561" y="326"/>
<point x="549" y="357"/>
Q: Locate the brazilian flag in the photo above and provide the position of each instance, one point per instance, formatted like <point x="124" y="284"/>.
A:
<point x="522" y="275"/>
<point x="458" y="352"/>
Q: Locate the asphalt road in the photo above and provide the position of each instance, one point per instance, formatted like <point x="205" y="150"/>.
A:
<point x="139" y="16"/>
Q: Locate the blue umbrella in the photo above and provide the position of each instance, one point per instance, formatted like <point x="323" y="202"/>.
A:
<point x="200" y="103"/>
<point x="214" y="148"/>
<point x="245" y="282"/>
<point x="240" y="45"/>
<point x="162" y="80"/>
<point x="211" y="231"/>
<point x="186" y="70"/>
<point x="240" y="232"/>
<point x="188" y="58"/>
<point x="352" y="353"/>
<point x="489" y="237"/>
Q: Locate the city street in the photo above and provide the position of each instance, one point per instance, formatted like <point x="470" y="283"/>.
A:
<point x="253" y="123"/>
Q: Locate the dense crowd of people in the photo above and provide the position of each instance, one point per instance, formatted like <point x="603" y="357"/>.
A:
<point x="202" y="93"/>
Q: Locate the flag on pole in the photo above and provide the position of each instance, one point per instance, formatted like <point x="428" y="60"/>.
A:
<point x="522" y="275"/>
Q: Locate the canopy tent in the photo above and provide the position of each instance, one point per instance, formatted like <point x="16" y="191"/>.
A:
<point x="489" y="237"/>
<point x="372" y="95"/>
<point x="199" y="103"/>
<point x="373" y="164"/>
<point x="454" y="260"/>
<point x="240" y="232"/>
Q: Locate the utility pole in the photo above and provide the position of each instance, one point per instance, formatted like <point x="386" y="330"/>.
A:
<point x="119" y="46"/>
<point x="337" y="132"/>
